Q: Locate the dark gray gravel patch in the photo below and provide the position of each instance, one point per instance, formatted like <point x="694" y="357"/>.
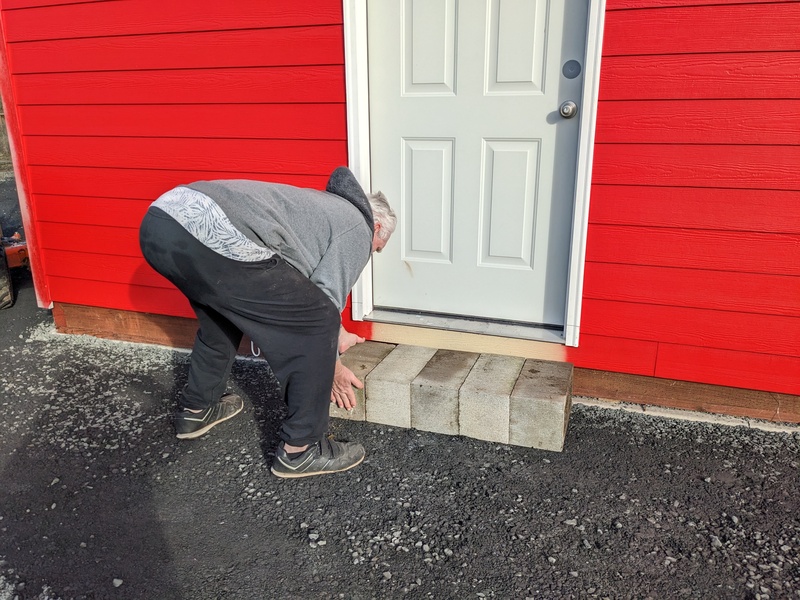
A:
<point x="99" y="500"/>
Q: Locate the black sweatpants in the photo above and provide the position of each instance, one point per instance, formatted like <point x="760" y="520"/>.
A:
<point x="292" y="321"/>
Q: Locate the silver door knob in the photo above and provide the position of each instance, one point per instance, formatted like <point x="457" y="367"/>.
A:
<point x="568" y="110"/>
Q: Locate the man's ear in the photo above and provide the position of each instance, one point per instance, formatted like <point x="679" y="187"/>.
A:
<point x="378" y="226"/>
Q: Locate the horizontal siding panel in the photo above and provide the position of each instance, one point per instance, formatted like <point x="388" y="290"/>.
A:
<point x="733" y="28"/>
<point x="746" y="252"/>
<point x="104" y="268"/>
<point x="272" y="121"/>
<point x="94" y="19"/>
<point x="714" y="290"/>
<point x="724" y="367"/>
<point x="766" y="211"/>
<point x="122" y="296"/>
<point x="744" y="167"/>
<point x="190" y="86"/>
<point x="144" y="184"/>
<point x="628" y="4"/>
<point x="699" y="121"/>
<point x="211" y="49"/>
<point x="109" y="212"/>
<point x="118" y="241"/>
<point x="614" y="354"/>
<point x="698" y="76"/>
<point x="746" y="332"/>
<point x="284" y="156"/>
<point x="16" y="4"/>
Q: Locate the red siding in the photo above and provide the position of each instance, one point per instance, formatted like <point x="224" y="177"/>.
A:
<point x="693" y="28"/>
<point x="63" y="19"/>
<point x="694" y="236"/>
<point x="693" y="258"/>
<point x="119" y="101"/>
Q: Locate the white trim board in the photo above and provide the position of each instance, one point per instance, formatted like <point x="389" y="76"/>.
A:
<point x="583" y="175"/>
<point x="356" y="73"/>
<point x="357" y="101"/>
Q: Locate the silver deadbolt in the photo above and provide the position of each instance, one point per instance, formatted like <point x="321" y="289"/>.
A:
<point x="568" y="110"/>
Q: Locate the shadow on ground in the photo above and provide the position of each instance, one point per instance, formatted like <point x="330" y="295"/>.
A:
<point x="99" y="498"/>
<point x="78" y="504"/>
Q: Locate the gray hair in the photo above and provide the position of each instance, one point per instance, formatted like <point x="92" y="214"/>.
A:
<point x="382" y="213"/>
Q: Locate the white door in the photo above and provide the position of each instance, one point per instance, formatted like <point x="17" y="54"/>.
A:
<point x="468" y="144"/>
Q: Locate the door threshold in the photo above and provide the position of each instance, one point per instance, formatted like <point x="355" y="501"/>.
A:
<point x="508" y="329"/>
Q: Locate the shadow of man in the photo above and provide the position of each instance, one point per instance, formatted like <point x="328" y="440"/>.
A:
<point x="80" y="451"/>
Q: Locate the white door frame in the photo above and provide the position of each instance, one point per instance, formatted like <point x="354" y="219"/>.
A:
<point x="357" y="98"/>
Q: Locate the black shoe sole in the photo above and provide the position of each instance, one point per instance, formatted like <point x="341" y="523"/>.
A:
<point x="293" y="475"/>
<point x="196" y="434"/>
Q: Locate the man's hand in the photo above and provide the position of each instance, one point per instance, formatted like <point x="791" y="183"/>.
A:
<point x="342" y="393"/>
<point x="347" y="340"/>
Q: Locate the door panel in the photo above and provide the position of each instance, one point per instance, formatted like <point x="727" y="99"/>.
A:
<point x="429" y="178"/>
<point x="508" y="203"/>
<point x="429" y="46"/>
<point x="516" y="49"/>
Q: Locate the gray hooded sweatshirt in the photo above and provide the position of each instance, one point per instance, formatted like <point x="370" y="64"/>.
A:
<point x="326" y="236"/>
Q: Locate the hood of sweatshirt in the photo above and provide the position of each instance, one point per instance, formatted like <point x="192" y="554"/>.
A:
<point x="344" y="184"/>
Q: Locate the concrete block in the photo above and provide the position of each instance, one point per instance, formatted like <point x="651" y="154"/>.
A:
<point x="540" y="405"/>
<point x="434" y="392"/>
<point x="361" y="359"/>
<point x="484" y="398"/>
<point x="389" y="385"/>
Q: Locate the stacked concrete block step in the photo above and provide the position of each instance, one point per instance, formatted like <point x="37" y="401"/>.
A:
<point x="483" y="396"/>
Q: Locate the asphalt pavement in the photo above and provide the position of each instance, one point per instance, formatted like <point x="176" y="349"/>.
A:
<point x="98" y="499"/>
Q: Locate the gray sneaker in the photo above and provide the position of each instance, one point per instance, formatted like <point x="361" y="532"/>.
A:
<point x="189" y="425"/>
<point x="326" y="456"/>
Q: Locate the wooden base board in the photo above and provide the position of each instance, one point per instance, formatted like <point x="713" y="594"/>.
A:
<point x="127" y="326"/>
<point x="685" y="395"/>
<point x="179" y="332"/>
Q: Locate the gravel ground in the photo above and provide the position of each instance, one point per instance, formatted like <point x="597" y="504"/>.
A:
<point x="99" y="500"/>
